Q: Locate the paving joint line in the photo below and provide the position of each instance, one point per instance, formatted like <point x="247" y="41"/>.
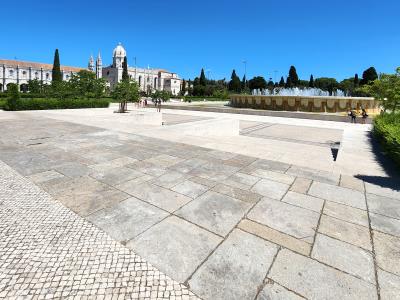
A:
<point x="371" y="236"/>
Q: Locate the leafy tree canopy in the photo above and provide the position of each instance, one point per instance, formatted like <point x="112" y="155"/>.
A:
<point x="369" y="75"/>
<point x="387" y="90"/>
<point x="257" y="82"/>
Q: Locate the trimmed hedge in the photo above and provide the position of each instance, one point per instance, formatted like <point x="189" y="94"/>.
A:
<point x="50" y="103"/>
<point x="199" y="98"/>
<point x="387" y="130"/>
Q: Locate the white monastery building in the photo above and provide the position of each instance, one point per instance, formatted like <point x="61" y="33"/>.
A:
<point x="149" y="79"/>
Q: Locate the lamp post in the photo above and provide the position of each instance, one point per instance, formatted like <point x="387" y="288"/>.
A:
<point x="245" y="71"/>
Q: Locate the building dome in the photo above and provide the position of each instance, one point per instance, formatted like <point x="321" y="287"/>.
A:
<point x="119" y="51"/>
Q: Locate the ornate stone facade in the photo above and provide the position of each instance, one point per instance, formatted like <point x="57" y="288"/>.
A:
<point x="20" y="72"/>
<point x="149" y="79"/>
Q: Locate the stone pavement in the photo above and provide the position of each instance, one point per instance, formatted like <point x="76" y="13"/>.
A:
<point x="47" y="252"/>
<point x="225" y="225"/>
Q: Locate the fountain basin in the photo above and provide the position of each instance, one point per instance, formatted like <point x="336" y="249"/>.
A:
<point x="327" y="104"/>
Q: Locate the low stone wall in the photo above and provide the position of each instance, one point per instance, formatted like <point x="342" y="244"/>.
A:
<point x="307" y="104"/>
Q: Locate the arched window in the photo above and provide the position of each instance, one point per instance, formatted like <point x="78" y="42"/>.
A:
<point x="11" y="72"/>
<point x="24" y="73"/>
<point x="47" y="75"/>
<point x="155" y="82"/>
<point x="140" y="81"/>
<point x="36" y="75"/>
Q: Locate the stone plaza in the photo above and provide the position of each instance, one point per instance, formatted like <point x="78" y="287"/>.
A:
<point x="206" y="206"/>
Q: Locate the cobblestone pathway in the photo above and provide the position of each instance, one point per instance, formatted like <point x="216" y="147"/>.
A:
<point x="47" y="251"/>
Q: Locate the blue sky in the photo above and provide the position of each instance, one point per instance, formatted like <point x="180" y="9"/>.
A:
<point x="334" y="38"/>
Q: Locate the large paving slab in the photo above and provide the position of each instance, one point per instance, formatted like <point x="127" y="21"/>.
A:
<point x="383" y="191"/>
<point x="348" y="232"/>
<point x="274" y="291"/>
<point x="387" y="252"/>
<point x="389" y="285"/>
<point x="175" y="246"/>
<point x="127" y="219"/>
<point x="346" y="213"/>
<point x="84" y="195"/>
<point x="296" y="221"/>
<point x="384" y="206"/>
<point x="235" y="269"/>
<point x="158" y="196"/>
<point x="216" y="212"/>
<point x="338" y="194"/>
<point x="314" y="280"/>
<point x="345" y="257"/>
<point x="270" y="188"/>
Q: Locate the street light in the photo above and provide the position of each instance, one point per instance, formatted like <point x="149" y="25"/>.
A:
<point x="245" y="71"/>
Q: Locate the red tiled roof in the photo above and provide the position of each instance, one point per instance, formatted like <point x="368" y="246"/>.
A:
<point x="27" y="64"/>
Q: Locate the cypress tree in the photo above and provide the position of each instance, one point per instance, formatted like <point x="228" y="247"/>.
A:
<point x="56" y="72"/>
<point x="203" y="80"/>
<point x="288" y="83"/>
<point x="125" y="75"/>
<point x="282" y="82"/>
<point x="244" y="82"/>
<point x="294" y="79"/>
<point x="235" y="84"/>
<point x="356" y="80"/>
<point x="311" y="82"/>
<point x="183" y="86"/>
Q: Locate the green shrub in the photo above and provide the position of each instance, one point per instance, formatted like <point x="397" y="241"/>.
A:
<point x="51" y="103"/>
<point x="200" y="98"/>
<point x="2" y="103"/>
<point x="387" y="130"/>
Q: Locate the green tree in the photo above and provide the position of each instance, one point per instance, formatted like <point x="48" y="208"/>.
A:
<point x="387" y="90"/>
<point x="243" y="83"/>
<point x="311" y="82"/>
<point x="294" y="79"/>
<point x="327" y="84"/>
<point x="289" y="83"/>
<point x="356" y="81"/>
<point x="235" y="84"/>
<point x="125" y="75"/>
<point x="13" y="96"/>
<point x="202" y="80"/>
<point x="35" y="86"/>
<point x="368" y="76"/>
<point x="282" y="82"/>
<point x="183" y="90"/>
<point x="257" y="83"/>
<point x="124" y="92"/>
<point x="56" y="72"/>
<point x="347" y="86"/>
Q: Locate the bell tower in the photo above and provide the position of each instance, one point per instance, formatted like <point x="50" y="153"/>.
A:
<point x="91" y="64"/>
<point x="99" y="67"/>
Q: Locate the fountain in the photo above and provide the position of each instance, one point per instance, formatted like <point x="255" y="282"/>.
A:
<point x="304" y="100"/>
<point x="296" y="92"/>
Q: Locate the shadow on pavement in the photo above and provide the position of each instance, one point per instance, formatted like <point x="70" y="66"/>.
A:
<point x="390" y="167"/>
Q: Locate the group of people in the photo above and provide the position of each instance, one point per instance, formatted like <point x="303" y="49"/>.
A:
<point x="353" y="115"/>
<point x="143" y="103"/>
<point x="157" y="104"/>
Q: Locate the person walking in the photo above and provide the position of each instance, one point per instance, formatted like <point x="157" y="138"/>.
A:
<point x="353" y="116"/>
<point x="364" y="115"/>
<point x="159" y="105"/>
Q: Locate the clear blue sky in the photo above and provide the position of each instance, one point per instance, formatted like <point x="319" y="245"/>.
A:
<point x="326" y="38"/>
